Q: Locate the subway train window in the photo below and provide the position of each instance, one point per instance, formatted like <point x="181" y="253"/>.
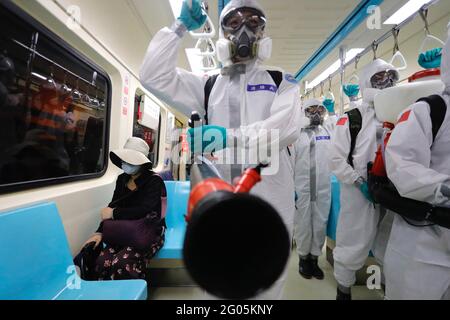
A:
<point x="53" y="108"/>
<point x="147" y="124"/>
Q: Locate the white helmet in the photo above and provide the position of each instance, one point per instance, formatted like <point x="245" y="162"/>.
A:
<point x="244" y="40"/>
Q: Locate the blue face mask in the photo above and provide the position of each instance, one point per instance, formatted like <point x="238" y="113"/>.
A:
<point x="431" y="59"/>
<point x="329" y="104"/>
<point x="130" y="169"/>
<point x="351" y="90"/>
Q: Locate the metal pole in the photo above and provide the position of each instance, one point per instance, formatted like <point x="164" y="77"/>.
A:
<point x="342" y="56"/>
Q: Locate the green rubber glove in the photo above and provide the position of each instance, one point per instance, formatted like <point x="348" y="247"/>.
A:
<point x="431" y="59"/>
<point x="193" y="18"/>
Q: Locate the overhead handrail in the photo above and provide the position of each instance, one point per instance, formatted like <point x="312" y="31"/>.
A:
<point x="329" y="94"/>
<point x="397" y="53"/>
<point x="428" y="36"/>
<point x="210" y="48"/>
<point x="388" y="34"/>
<point x="354" y="79"/>
<point x="209" y="29"/>
<point x="205" y="46"/>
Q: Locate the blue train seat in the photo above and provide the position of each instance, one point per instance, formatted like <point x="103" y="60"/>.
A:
<point x="36" y="264"/>
<point x="177" y="202"/>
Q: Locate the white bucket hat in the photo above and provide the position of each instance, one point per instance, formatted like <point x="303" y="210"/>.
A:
<point x="135" y="152"/>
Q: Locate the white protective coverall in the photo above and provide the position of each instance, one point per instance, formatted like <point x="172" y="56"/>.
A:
<point x="417" y="260"/>
<point x="358" y="219"/>
<point x="247" y="101"/>
<point x="330" y="122"/>
<point x="313" y="187"/>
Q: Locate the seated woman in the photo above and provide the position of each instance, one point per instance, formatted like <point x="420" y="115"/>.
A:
<point x="138" y="196"/>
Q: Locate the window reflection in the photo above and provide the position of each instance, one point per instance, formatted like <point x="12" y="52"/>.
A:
<point x="52" y="107"/>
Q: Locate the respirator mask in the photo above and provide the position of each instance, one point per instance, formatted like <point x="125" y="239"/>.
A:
<point x="244" y="36"/>
<point x="316" y="115"/>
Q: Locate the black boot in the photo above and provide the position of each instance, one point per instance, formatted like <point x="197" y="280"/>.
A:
<point x="305" y="268"/>
<point x="341" y="296"/>
<point x="316" y="271"/>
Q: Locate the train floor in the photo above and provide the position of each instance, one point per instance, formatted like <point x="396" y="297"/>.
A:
<point x="297" y="288"/>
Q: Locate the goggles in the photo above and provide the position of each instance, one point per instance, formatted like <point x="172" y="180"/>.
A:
<point x="384" y="79"/>
<point x="312" y="110"/>
<point x="252" y="18"/>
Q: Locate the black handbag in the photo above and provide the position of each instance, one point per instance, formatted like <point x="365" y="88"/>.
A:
<point x="86" y="260"/>
<point x="139" y="234"/>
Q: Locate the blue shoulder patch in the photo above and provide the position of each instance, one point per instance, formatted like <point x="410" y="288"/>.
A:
<point x="290" y="78"/>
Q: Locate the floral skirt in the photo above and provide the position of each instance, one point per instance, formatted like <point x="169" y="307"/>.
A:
<point x="125" y="263"/>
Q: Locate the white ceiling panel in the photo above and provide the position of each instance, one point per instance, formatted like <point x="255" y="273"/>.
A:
<point x="298" y="27"/>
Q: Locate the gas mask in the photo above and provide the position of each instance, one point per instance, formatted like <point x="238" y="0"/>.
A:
<point x="130" y="169"/>
<point x="243" y="37"/>
<point x="316" y="115"/>
<point x="244" y="43"/>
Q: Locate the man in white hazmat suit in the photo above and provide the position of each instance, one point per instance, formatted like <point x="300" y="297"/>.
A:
<point x="358" y="219"/>
<point x="417" y="260"/>
<point x="313" y="187"/>
<point x="243" y="100"/>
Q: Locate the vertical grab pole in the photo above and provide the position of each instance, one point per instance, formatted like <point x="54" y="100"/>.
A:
<point x="342" y="56"/>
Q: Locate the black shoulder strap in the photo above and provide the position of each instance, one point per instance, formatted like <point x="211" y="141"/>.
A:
<point x="355" y="125"/>
<point x="438" y="110"/>
<point x="277" y="77"/>
<point x="208" y="88"/>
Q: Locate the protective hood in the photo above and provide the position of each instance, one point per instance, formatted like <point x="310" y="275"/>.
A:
<point x="224" y="45"/>
<point x="236" y="4"/>
<point x="445" y="66"/>
<point x="378" y="65"/>
<point x="312" y="102"/>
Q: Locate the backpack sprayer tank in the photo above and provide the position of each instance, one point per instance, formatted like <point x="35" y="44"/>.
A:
<point x="236" y="244"/>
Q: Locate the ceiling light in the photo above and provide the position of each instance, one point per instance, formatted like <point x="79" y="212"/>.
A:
<point x="333" y="68"/>
<point x="411" y="7"/>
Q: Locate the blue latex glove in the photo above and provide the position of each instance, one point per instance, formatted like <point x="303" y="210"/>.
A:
<point x="193" y="18"/>
<point x="351" y="90"/>
<point x="329" y="104"/>
<point x="206" y="139"/>
<point x="431" y="59"/>
<point x="365" y="190"/>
